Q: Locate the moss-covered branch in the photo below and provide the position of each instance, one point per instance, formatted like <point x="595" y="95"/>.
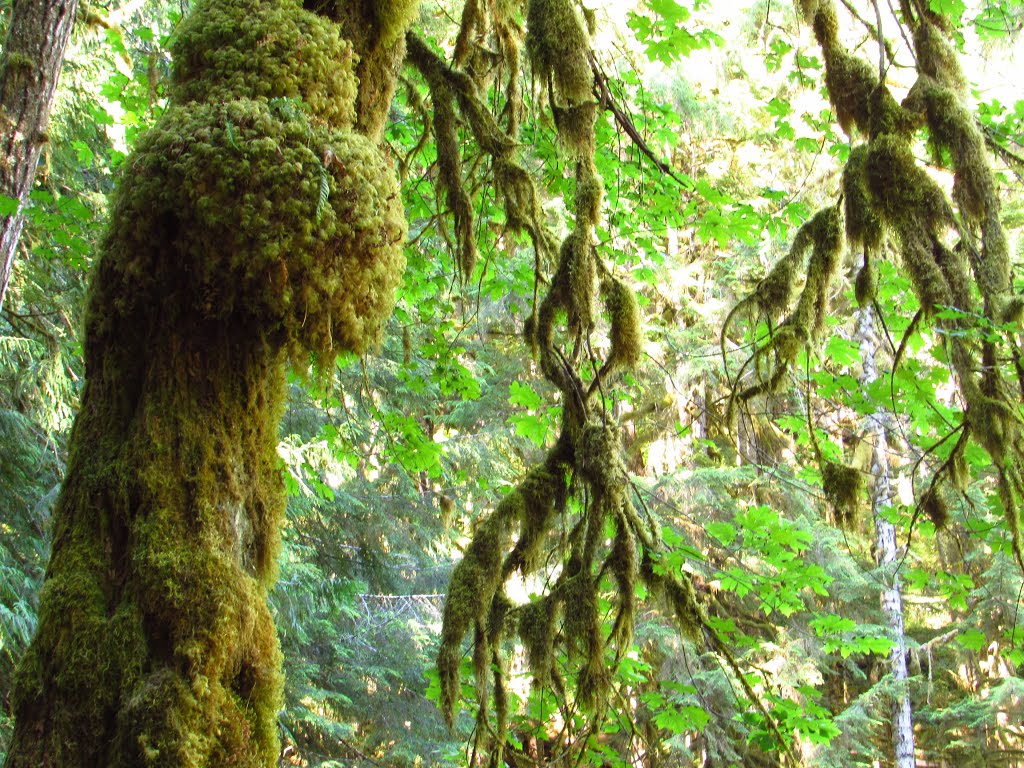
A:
<point x="889" y="198"/>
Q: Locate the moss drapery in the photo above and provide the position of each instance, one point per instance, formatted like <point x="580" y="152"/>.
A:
<point x="893" y="208"/>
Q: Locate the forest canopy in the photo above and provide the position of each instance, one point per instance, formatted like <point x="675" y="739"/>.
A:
<point x="518" y="383"/>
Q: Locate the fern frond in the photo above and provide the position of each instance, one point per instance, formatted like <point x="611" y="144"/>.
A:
<point x="231" y="134"/>
<point x="325" y="193"/>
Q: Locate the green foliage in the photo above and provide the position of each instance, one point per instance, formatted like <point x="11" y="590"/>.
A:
<point x="395" y="459"/>
<point x="666" y="37"/>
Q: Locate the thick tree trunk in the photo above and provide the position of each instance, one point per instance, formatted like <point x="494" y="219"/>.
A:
<point x="32" y="55"/>
<point x="254" y="223"/>
<point x="887" y="550"/>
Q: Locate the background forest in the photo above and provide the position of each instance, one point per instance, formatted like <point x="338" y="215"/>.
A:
<point x="717" y="145"/>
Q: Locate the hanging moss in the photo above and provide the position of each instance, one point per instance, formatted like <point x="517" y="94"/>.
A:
<point x="537" y="626"/>
<point x="589" y="195"/>
<point x="903" y="194"/>
<point x="808" y="9"/>
<point x="824" y="21"/>
<point x="394" y="17"/>
<point x="625" y="568"/>
<point x="952" y="127"/>
<point x="888" y="117"/>
<point x="557" y="45"/>
<point x="936" y="56"/>
<point x="863" y="228"/>
<point x="823" y="237"/>
<point x="935" y="507"/>
<point x="540" y="492"/>
<point x="626" y="334"/>
<point x="578" y="270"/>
<point x="575" y="126"/>
<point x="851" y="81"/>
<point x="826" y="232"/>
<point x="844" y="489"/>
<point x="866" y="284"/>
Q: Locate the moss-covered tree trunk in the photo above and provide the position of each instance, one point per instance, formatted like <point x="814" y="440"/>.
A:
<point x="29" y="67"/>
<point x="256" y="223"/>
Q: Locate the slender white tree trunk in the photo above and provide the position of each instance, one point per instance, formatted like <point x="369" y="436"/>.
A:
<point x="886" y="548"/>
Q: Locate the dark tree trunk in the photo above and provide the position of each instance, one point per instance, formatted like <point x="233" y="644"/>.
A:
<point x="32" y="55"/>
<point x="255" y="223"/>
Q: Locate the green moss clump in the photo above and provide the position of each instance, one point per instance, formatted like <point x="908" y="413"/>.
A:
<point x="936" y="57"/>
<point x="935" y="507"/>
<point x="887" y="116"/>
<point x="863" y="228"/>
<point x="808" y="9"/>
<point x="626" y="334"/>
<point x="826" y="233"/>
<point x="844" y="489"/>
<point x="866" y="284"/>
<point x="776" y="290"/>
<point x="902" y="193"/>
<point x="539" y="491"/>
<point x="824" y="20"/>
<point x="537" y="626"/>
<point x="995" y="420"/>
<point x="557" y="44"/>
<point x="394" y="17"/>
<point x="850" y="81"/>
<point x="625" y="568"/>
<point x="264" y="221"/>
<point x="578" y="269"/>
<point x="230" y="49"/>
<point x="584" y="636"/>
<point x="952" y="127"/>
<point x="473" y="585"/>
<point x="575" y="125"/>
<point x="909" y="201"/>
<point x="589" y="195"/>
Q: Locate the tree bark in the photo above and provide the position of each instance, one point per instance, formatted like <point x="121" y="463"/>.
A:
<point x="887" y="550"/>
<point x="29" y="69"/>
<point x="254" y="224"/>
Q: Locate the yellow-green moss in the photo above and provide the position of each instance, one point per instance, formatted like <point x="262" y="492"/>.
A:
<point x="394" y="17"/>
<point x="252" y="223"/>
<point x="808" y="9"/>
<point x="824" y="21"/>
<point x="936" y="56"/>
<point x="235" y="195"/>
<point x="470" y="593"/>
<point x="826" y="233"/>
<point x="537" y="626"/>
<point x="558" y="45"/>
<point x="850" y="81"/>
<point x="626" y="334"/>
<point x="901" y="192"/>
<point x="887" y="116"/>
<point x="231" y="49"/>
<point x="952" y="127"/>
<point x="575" y="125"/>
